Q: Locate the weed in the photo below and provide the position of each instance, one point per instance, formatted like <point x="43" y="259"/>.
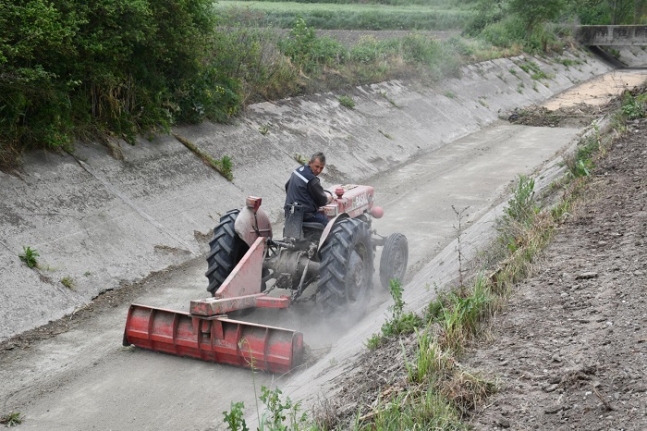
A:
<point x="391" y="101"/>
<point x="521" y="207"/>
<point x="632" y="109"/>
<point x="223" y="165"/>
<point x="400" y="322"/>
<point x="29" y="257"/>
<point x="466" y="390"/>
<point x="264" y="129"/>
<point x="386" y="135"/>
<point x="87" y="273"/>
<point x="301" y="159"/>
<point x="347" y="102"/>
<point x="11" y="419"/>
<point x="450" y="94"/>
<point x="532" y="69"/>
<point x="431" y="360"/>
<point x="273" y="418"/>
<point x="68" y="282"/>
<point x="580" y="162"/>
<point x="277" y="409"/>
<point x="235" y="417"/>
<point x="459" y="244"/>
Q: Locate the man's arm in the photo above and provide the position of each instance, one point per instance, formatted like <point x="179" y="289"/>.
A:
<point x="317" y="192"/>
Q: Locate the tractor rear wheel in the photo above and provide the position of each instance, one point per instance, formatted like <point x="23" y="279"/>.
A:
<point x="393" y="263"/>
<point x="226" y="250"/>
<point x="346" y="268"/>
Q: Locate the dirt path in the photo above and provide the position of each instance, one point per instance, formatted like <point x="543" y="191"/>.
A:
<point x="571" y="350"/>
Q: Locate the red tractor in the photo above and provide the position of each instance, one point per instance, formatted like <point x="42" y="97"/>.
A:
<point x="246" y="263"/>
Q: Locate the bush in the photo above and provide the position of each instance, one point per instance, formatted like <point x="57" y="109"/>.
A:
<point x="310" y="53"/>
<point x="70" y="67"/>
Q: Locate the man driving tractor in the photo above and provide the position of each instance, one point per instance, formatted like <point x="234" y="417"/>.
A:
<point x="304" y="188"/>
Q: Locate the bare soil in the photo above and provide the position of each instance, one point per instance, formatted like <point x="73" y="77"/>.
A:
<point x="569" y="352"/>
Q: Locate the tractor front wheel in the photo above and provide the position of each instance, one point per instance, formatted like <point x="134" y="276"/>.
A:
<point x="346" y="269"/>
<point x="226" y="250"/>
<point x="393" y="263"/>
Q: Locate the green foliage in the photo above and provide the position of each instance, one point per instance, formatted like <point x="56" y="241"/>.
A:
<point x="301" y="159"/>
<point x="235" y="417"/>
<point x="427" y="410"/>
<point x="580" y="163"/>
<point x="309" y="52"/>
<point x="11" y="419"/>
<point x="278" y="411"/>
<point x="532" y="13"/>
<point x="280" y="414"/>
<point x="68" y="282"/>
<point x="505" y="33"/>
<point x="347" y="102"/>
<point x="609" y="12"/>
<point x="224" y="165"/>
<point x="459" y="313"/>
<point x="632" y="107"/>
<point x="29" y="257"/>
<point x="250" y="55"/>
<point x="355" y="16"/>
<point x="76" y="69"/>
<point x="389" y="99"/>
<point x="510" y="23"/>
<point x="520" y="213"/>
<point x="399" y="323"/>
<point x="532" y="69"/>
<point x="487" y="12"/>
<point x="521" y="207"/>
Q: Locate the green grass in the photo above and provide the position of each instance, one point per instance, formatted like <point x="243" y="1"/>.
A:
<point x="344" y="16"/>
<point x="11" y="419"/>
<point x="346" y="101"/>
<point x="29" y="257"/>
<point x="68" y="282"/>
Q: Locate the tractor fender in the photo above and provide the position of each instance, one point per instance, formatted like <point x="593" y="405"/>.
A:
<point x="246" y="225"/>
<point x="328" y="228"/>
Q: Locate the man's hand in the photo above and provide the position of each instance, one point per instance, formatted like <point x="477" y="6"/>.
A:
<point x="329" y="195"/>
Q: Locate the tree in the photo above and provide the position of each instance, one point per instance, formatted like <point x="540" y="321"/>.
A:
<point x="535" y="12"/>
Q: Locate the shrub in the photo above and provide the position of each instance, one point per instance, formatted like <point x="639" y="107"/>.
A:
<point x="346" y="101"/>
<point x="71" y="68"/>
<point x="310" y="53"/>
<point x="29" y="257"/>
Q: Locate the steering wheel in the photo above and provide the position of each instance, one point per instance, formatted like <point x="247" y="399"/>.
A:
<point x="332" y="197"/>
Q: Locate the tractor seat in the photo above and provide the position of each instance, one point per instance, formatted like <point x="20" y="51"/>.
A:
<point x="313" y="226"/>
